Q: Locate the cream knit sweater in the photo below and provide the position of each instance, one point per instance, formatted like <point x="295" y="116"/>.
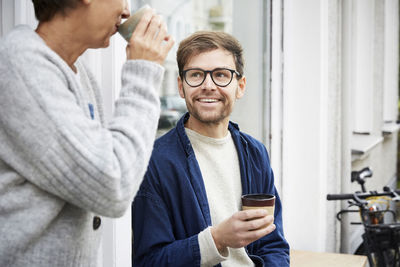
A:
<point x="220" y="170"/>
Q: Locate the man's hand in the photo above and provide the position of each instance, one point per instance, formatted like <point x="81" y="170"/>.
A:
<point x="242" y="228"/>
<point x="150" y="40"/>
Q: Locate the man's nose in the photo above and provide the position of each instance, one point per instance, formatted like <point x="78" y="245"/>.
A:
<point x="208" y="82"/>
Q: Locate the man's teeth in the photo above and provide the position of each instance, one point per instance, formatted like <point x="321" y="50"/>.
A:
<point x="208" y="100"/>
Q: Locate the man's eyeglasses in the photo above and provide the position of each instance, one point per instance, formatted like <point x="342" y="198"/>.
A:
<point x="222" y="77"/>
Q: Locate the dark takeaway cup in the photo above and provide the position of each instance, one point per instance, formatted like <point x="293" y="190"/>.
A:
<point x="259" y="201"/>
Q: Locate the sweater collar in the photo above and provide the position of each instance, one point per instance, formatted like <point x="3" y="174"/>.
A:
<point x="180" y="128"/>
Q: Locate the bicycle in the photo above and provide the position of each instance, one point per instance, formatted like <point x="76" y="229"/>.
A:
<point x="381" y="240"/>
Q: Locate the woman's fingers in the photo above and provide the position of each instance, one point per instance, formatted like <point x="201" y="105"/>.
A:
<point x="150" y="40"/>
<point x="154" y="29"/>
<point x="144" y="23"/>
<point x="162" y="33"/>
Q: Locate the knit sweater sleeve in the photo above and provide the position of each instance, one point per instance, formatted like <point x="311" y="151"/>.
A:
<point x="210" y="255"/>
<point x="47" y="138"/>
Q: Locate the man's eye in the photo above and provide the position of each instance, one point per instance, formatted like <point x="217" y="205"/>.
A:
<point x="196" y="74"/>
<point x="220" y="74"/>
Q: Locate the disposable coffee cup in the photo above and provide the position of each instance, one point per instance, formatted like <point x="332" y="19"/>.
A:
<point x="259" y="201"/>
<point x="128" y="27"/>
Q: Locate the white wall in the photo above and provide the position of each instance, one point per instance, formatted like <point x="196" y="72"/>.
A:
<point x="311" y="122"/>
<point x="374" y="23"/>
<point x="340" y="75"/>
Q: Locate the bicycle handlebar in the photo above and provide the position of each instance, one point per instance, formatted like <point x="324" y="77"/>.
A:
<point x="339" y="196"/>
<point x="360" y="195"/>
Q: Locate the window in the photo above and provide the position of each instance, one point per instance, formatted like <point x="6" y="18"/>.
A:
<point x="187" y="16"/>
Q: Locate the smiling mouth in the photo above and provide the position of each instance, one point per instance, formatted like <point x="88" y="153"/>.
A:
<point x="208" y="100"/>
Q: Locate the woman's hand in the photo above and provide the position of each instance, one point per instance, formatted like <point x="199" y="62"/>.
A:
<point x="150" y="40"/>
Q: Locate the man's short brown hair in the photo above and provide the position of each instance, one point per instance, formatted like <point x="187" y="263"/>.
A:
<point x="204" y="41"/>
<point x="45" y="10"/>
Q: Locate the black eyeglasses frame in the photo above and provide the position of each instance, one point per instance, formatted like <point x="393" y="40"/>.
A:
<point x="183" y="74"/>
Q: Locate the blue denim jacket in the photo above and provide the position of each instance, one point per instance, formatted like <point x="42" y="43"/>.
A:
<point x="171" y="207"/>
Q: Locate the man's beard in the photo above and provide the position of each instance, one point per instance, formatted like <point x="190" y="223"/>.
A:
<point x="209" y="117"/>
<point x="213" y="118"/>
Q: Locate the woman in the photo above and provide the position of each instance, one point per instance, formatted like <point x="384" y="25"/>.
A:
<point x="61" y="166"/>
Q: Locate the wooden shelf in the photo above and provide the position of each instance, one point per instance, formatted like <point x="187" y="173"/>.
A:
<point x="301" y="258"/>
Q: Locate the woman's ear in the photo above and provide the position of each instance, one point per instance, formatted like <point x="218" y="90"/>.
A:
<point x="241" y="87"/>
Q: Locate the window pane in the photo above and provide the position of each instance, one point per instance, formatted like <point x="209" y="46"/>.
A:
<point x="232" y="16"/>
<point x="183" y="18"/>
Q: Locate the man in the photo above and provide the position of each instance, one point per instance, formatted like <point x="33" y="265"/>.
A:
<point x="188" y="209"/>
<point x="61" y="166"/>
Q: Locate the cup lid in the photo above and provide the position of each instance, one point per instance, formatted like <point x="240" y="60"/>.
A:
<point x="258" y="200"/>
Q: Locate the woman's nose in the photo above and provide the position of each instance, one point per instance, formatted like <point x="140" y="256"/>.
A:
<point x="126" y="13"/>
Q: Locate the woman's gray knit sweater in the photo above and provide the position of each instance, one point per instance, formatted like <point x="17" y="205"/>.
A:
<point x="59" y="168"/>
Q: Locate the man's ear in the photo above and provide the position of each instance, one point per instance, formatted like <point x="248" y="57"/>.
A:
<point x="241" y="87"/>
<point x="180" y="87"/>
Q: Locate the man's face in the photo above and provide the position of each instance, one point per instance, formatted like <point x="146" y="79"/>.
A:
<point x="209" y="103"/>
<point x="103" y="18"/>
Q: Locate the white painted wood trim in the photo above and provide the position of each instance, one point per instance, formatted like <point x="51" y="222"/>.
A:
<point x="391" y="61"/>
<point x="323" y="138"/>
<point x="276" y="92"/>
<point x="310" y="71"/>
<point x="7" y="16"/>
<point x="117" y="242"/>
<point x="362" y="25"/>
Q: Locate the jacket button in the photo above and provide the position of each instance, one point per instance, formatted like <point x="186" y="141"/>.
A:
<point x="96" y="222"/>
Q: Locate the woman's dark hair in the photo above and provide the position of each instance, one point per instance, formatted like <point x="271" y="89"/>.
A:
<point x="45" y="10"/>
<point x="204" y="41"/>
